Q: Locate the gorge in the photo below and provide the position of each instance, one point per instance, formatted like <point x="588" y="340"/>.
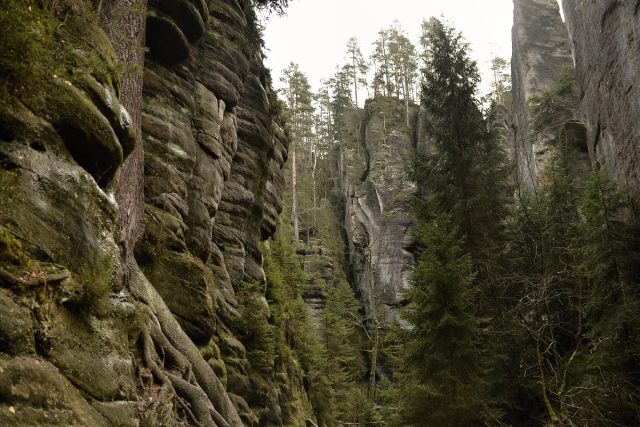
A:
<point x="183" y="244"/>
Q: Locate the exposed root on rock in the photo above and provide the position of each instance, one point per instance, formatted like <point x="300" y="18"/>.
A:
<point x="177" y="366"/>
<point x="18" y="283"/>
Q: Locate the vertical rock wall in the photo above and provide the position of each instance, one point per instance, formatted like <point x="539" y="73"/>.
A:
<point x="375" y="164"/>
<point x="605" y="36"/>
<point x="541" y="50"/>
<point x="78" y="314"/>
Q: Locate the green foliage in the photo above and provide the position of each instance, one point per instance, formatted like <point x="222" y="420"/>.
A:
<point x="466" y="171"/>
<point x="609" y="265"/>
<point x="12" y="254"/>
<point x="297" y="95"/>
<point x="96" y="279"/>
<point x="291" y="326"/>
<point x="395" y="63"/>
<point x="257" y="332"/>
<point x="28" y="39"/>
<point x="555" y="107"/>
<point x="501" y="84"/>
<point x="571" y="302"/>
<point x="444" y="375"/>
<point x="444" y="351"/>
<point x="44" y="39"/>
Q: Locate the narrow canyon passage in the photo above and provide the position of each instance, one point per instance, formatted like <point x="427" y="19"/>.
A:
<point x="232" y="213"/>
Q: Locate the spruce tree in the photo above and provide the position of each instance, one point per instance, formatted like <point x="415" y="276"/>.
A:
<point x="463" y="179"/>
<point x="466" y="170"/>
<point x="445" y="353"/>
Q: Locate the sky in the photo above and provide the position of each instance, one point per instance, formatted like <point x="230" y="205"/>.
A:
<point x="314" y="33"/>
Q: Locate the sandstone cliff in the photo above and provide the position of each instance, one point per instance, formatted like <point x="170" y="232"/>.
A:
<point x="88" y="334"/>
<point x="605" y="39"/>
<point x="541" y="51"/>
<point x="374" y="165"/>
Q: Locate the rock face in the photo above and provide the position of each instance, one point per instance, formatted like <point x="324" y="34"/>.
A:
<point x="541" y="50"/>
<point x="104" y="336"/>
<point x="374" y="170"/>
<point x="605" y="39"/>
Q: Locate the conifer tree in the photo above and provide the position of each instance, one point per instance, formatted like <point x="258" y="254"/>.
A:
<point x="466" y="171"/>
<point x="444" y="349"/>
<point x="404" y="64"/>
<point x="381" y="58"/>
<point x="608" y="375"/>
<point x="298" y="98"/>
<point x="460" y="226"/>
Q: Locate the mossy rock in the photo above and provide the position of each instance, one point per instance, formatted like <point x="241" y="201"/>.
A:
<point x="183" y="280"/>
<point x="35" y="393"/>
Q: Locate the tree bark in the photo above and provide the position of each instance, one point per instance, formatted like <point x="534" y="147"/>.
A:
<point x="124" y="23"/>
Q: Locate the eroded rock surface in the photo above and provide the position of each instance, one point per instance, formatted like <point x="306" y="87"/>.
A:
<point x="605" y="37"/>
<point x="541" y="50"/>
<point x="374" y="177"/>
<point x="118" y="339"/>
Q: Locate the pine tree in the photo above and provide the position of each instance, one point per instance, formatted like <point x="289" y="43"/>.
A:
<point x="404" y="64"/>
<point x="444" y="349"/>
<point x="380" y="56"/>
<point x="460" y="227"/>
<point x="298" y="99"/>
<point x="357" y="66"/>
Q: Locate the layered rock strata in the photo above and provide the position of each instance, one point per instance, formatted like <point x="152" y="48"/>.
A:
<point x="88" y="334"/>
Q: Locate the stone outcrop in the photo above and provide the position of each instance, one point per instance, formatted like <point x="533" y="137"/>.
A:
<point x="541" y="50"/>
<point x="605" y="38"/>
<point x="107" y="339"/>
<point x="374" y="167"/>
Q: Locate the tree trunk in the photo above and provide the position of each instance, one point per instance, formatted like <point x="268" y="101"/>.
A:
<point x="314" y="156"/>
<point x="294" y="190"/>
<point x="406" y="96"/>
<point x="355" y="78"/>
<point x="126" y="29"/>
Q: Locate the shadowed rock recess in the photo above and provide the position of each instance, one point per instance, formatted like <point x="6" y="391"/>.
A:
<point x="91" y="332"/>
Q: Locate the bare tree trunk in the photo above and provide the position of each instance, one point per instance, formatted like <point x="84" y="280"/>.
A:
<point x="406" y="96"/>
<point x="314" y="156"/>
<point x="386" y="66"/>
<point x="355" y="78"/>
<point x="124" y="23"/>
<point x="294" y="190"/>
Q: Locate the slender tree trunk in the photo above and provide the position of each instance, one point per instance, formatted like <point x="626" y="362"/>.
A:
<point x="126" y="29"/>
<point x="386" y="66"/>
<point x="294" y="190"/>
<point x="406" y="96"/>
<point x="374" y="350"/>
<point x="355" y="78"/>
<point x="314" y="156"/>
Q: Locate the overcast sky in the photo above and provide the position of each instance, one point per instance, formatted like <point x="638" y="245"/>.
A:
<point x="314" y="33"/>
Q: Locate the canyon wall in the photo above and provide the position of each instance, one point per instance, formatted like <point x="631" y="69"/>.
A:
<point x="134" y="202"/>
<point x="605" y="38"/>
<point x="540" y="51"/>
<point x="374" y="166"/>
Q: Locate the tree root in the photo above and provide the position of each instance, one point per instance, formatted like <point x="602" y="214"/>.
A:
<point x="18" y="283"/>
<point x="177" y="365"/>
